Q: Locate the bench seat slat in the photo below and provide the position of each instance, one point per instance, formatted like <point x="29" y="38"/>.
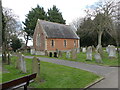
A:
<point x="18" y="81"/>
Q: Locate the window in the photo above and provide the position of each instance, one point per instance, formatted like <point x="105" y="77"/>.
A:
<point x="65" y="43"/>
<point x="74" y="43"/>
<point x="52" y="43"/>
<point x="38" y="40"/>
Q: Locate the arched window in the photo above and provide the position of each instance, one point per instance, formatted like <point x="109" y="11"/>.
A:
<point x="38" y="40"/>
<point x="52" y="43"/>
<point x="65" y="43"/>
<point x="74" y="43"/>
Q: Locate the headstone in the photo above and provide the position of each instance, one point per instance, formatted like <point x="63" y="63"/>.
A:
<point x="98" y="58"/>
<point x="89" y="53"/>
<point x="32" y="51"/>
<point x="21" y="64"/>
<point x="60" y="54"/>
<point x="46" y="53"/>
<point x="74" y="54"/>
<point x="112" y="52"/>
<point x="36" y="68"/>
<point x="107" y="49"/>
<point x="84" y="50"/>
<point x="78" y="50"/>
<point x="68" y="54"/>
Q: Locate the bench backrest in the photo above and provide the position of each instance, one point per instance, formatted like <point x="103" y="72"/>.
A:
<point x="18" y="81"/>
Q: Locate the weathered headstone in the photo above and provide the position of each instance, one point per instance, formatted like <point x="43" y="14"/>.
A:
<point x="60" y="54"/>
<point x="84" y="50"/>
<point x="98" y="58"/>
<point x="21" y="65"/>
<point x="78" y="50"/>
<point x="68" y="54"/>
<point x="112" y="52"/>
<point x="46" y="53"/>
<point x="107" y="49"/>
<point x="36" y="68"/>
<point x="89" y="53"/>
<point x="32" y="51"/>
<point x="74" y="53"/>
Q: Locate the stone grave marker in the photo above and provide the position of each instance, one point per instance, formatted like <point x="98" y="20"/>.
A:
<point x="60" y="54"/>
<point x="112" y="52"/>
<point x="74" y="53"/>
<point x="68" y="54"/>
<point x="98" y="58"/>
<point x="89" y="53"/>
<point x="21" y="64"/>
<point x="84" y="50"/>
<point x="36" y="68"/>
<point x="46" y="53"/>
<point x="32" y="51"/>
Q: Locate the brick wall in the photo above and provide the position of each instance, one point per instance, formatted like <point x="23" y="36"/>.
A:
<point x="38" y="30"/>
<point x="59" y="44"/>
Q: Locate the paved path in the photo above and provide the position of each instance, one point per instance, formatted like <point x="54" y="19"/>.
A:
<point x="110" y="73"/>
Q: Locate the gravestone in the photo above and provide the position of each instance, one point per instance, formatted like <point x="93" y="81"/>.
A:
<point x="21" y="64"/>
<point x="46" y="53"/>
<point x="112" y="52"/>
<point x="60" y="54"/>
<point x="74" y="53"/>
<point x="68" y="54"/>
<point x="89" y="53"/>
<point x="36" y="68"/>
<point x="84" y="50"/>
<point x="107" y="49"/>
<point x="78" y="50"/>
<point x="18" y="60"/>
<point x="32" y="51"/>
<point x="98" y="58"/>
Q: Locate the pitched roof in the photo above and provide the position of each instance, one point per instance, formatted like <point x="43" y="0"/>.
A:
<point x="55" y="30"/>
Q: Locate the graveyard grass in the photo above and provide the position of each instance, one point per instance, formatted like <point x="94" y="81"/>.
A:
<point x="81" y="57"/>
<point x="52" y="75"/>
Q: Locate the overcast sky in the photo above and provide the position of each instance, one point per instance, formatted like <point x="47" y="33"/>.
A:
<point x="71" y="9"/>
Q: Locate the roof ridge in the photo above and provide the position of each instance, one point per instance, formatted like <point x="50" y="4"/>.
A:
<point x="54" y="22"/>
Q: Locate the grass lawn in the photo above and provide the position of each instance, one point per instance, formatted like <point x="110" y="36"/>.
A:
<point x="81" y="57"/>
<point x="53" y="75"/>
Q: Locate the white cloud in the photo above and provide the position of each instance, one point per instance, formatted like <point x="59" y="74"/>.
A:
<point x="70" y="9"/>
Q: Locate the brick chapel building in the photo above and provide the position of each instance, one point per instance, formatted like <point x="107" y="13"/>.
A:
<point x="51" y="36"/>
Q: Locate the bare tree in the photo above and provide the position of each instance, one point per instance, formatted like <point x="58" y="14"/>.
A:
<point x="10" y="25"/>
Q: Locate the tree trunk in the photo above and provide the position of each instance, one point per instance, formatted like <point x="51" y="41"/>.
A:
<point x="26" y="41"/>
<point x="99" y="46"/>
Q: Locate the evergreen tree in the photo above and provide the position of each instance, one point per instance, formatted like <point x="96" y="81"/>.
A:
<point x="31" y="20"/>
<point x="16" y="43"/>
<point x="55" y="16"/>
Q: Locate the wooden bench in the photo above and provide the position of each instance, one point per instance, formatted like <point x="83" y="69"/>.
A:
<point x="14" y="84"/>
